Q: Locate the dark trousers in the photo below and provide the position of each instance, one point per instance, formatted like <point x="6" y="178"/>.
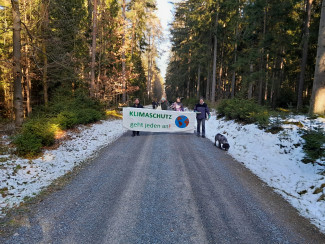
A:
<point x="199" y="121"/>
<point x="135" y="133"/>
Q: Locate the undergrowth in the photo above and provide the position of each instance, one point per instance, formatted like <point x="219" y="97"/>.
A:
<point x="244" y="111"/>
<point x="314" y="146"/>
<point x="66" y="110"/>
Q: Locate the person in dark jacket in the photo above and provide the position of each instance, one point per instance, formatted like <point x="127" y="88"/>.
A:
<point x="136" y="105"/>
<point x="154" y="104"/>
<point x="202" y="114"/>
<point x="164" y="104"/>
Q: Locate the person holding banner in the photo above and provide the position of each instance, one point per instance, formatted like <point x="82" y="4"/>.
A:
<point x="202" y="111"/>
<point x="177" y="106"/>
<point x="136" y="105"/>
<point x="164" y="104"/>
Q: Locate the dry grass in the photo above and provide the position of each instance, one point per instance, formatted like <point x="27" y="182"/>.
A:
<point x="113" y="114"/>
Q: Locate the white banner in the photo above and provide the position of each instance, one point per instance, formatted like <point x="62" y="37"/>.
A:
<point x="138" y="119"/>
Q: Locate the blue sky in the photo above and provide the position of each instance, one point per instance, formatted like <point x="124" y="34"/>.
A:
<point x="166" y="16"/>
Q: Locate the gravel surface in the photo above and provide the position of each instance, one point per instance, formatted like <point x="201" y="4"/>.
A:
<point x="165" y="188"/>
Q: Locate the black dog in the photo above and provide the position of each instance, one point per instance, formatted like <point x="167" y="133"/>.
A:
<point x="221" y="140"/>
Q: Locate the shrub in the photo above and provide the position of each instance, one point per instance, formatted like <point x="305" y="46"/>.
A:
<point x="88" y="115"/>
<point x="28" y="144"/>
<point x="40" y="128"/>
<point x="66" y="110"/>
<point x="190" y="102"/>
<point x="66" y="120"/>
<point x="314" y="146"/>
<point x="35" y="134"/>
<point x="73" y="101"/>
<point x="241" y="110"/>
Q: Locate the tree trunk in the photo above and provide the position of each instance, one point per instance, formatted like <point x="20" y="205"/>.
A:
<point x="17" y="73"/>
<point x="317" y="102"/>
<point x="133" y="37"/>
<point x="266" y="88"/>
<point x="123" y="53"/>
<point x="277" y="81"/>
<point x="262" y="65"/>
<point x="44" y="79"/>
<point x="198" y="82"/>
<point x="93" y="52"/>
<point x="188" y="78"/>
<point x="44" y="50"/>
<point x="207" y="91"/>
<point x="250" y="85"/>
<point x="149" y="67"/>
<point x="304" y="54"/>
<point x="215" y="45"/>
<point x="27" y="70"/>
<point x="233" y="79"/>
<point x="250" y="90"/>
<point x="221" y="88"/>
<point x="261" y="81"/>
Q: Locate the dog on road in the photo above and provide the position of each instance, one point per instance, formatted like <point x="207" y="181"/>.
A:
<point x="222" y="142"/>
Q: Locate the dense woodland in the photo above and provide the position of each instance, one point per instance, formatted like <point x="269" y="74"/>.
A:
<point x="267" y="51"/>
<point x="261" y="50"/>
<point x="55" y="47"/>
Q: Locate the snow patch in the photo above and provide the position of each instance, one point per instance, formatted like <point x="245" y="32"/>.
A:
<point x="276" y="159"/>
<point x="23" y="178"/>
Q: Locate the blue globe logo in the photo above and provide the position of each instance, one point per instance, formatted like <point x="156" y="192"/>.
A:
<point x="182" y="121"/>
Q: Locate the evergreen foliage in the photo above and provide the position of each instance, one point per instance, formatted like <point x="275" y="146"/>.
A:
<point x="314" y="146"/>
<point x="66" y="111"/>
<point x="259" y="46"/>
<point x="57" y="43"/>
<point x="242" y="110"/>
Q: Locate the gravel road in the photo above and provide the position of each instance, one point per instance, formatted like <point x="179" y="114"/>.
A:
<point x="165" y="188"/>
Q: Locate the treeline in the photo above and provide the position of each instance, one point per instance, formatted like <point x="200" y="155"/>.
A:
<point x="106" y="47"/>
<point x="261" y="50"/>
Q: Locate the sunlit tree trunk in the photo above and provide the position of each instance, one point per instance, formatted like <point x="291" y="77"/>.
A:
<point x="27" y="69"/>
<point x="317" y="102"/>
<point x="17" y="73"/>
<point x="93" y="51"/>
<point x="149" y="66"/>
<point x="304" y="54"/>
<point x="220" y="83"/>
<point x="45" y="22"/>
<point x="123" y="53"/>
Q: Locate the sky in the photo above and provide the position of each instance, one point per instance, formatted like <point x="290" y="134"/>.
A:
<point x="165" y="8"/>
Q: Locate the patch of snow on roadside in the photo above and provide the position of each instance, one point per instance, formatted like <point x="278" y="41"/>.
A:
<point x="23" y="178"/>
<point x="276" y="159"/>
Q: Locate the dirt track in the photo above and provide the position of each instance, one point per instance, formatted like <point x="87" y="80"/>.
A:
<point x="165" y="188"/>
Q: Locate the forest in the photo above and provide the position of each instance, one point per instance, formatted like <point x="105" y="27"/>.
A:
<point x="54" y="50"/>
<point x="258" y="50"/>
<point x="59" y="56"/>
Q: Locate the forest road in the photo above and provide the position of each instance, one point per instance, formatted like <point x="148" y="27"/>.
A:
<point x="165" y="188"/>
